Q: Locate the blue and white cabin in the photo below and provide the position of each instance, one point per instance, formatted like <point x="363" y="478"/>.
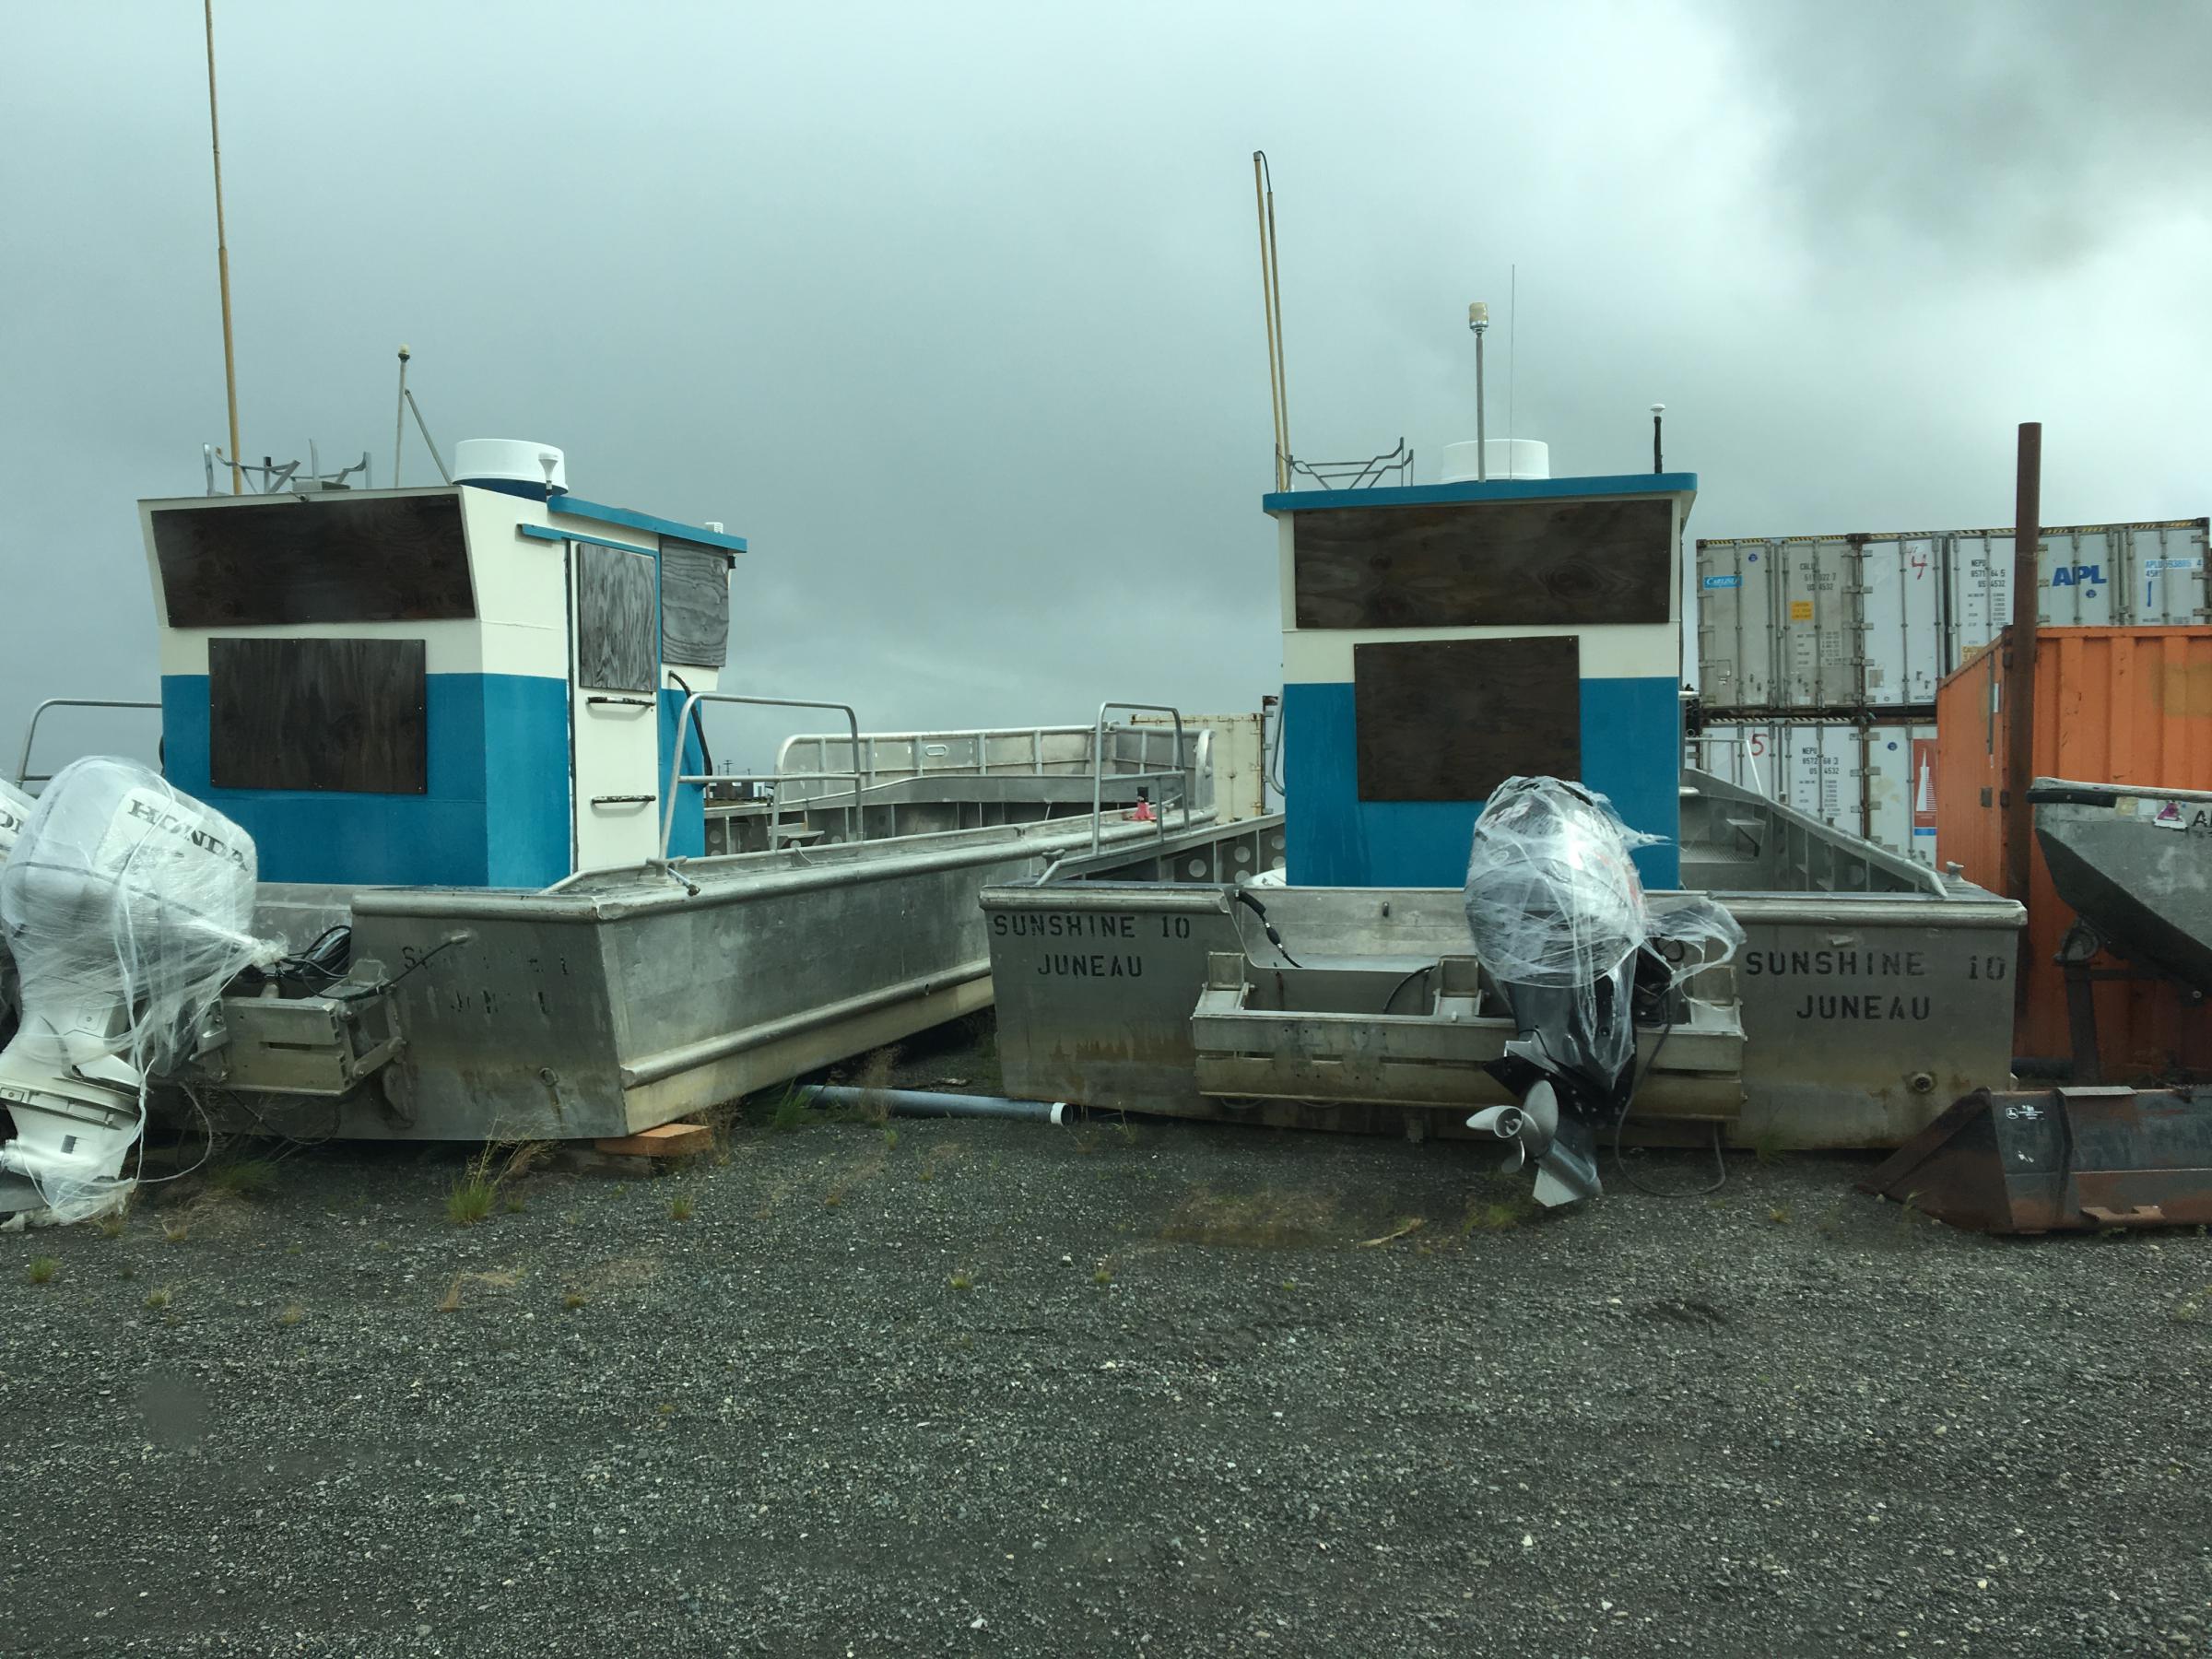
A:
<point x="1438" y="638"/>
<point x="474" y="685"/>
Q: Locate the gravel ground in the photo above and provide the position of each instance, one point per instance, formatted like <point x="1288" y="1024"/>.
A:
<point x="994" y="1388"/>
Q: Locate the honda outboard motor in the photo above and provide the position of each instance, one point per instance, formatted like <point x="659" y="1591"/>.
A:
<point x="127" y="907"/>
<point x="1559" y="921"/>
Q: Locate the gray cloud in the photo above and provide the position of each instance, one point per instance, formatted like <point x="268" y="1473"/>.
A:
<point x="953" y="311"/>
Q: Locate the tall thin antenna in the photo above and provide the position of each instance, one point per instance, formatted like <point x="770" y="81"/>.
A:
<point x="1512" y="316"/>
<point x="1263" y="185"/>
<point x="222" y="259"/>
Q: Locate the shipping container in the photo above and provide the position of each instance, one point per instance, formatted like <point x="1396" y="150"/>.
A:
<point x="1841" y="622"/>
<point x="2113" y="705"/>
<point x="1875" y="782"/>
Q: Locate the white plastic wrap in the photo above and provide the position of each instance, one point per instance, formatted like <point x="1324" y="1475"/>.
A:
<point x="128" y="907"/>
<point x="1555" y="905"/>
<point x="14" y="812"/>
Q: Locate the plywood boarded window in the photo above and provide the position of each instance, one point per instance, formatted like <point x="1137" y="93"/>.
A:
<point x="1494" y="563"/>
<point x="319" y="714"/>
<point x="320" y="558"/>
<point x="694" y="604"/>
<point x="618" y="630"/>
<point x="1449" y="720"/>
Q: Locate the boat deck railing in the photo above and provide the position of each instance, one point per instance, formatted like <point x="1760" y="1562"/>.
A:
<point x="25" y="777"/>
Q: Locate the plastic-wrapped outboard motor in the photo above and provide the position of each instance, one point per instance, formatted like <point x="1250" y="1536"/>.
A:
<point x="14" y="812"/>
<point x="1559" y="921"/>
<point x="128" y="907"/>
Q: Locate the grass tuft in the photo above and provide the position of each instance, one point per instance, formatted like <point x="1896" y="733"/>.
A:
<point x="293" y="1314"/>
<point x="1769" y="1146"/>
<point x="451" y="1301"/>
<point x="2189" y="1313"/>
<point x="111" y="1224"/>
<point x="158" y="1298"/>
<point x="176" y="1229"/>
<point x="469" y="1202"/>
<point x="41" y="1269"/>
<point x="682" y="1207"/>
<point x="1779" y="1215"/>
<point x="961" y="1281"/>
<point x="243" y="1178"/>
<point x="1496" y="1215"/>
<point x="790" y="1113"/>
<point x="574" y="1299"/>
<point x="1102" y="1275"/>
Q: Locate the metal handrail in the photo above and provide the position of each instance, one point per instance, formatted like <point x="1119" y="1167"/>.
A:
<point x="1097" y="765"/>
<point x="678" y="777"/>
<point x="31" y="733"/>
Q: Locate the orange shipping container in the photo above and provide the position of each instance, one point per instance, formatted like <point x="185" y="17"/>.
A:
<point x="2113" y="705"/>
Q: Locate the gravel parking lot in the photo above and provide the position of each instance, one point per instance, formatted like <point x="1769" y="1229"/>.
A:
<point x="1164" y="1389"/>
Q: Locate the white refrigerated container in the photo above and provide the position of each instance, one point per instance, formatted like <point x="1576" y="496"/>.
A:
<point x="1876" y="780"/>
<point x="1877" y="621"/>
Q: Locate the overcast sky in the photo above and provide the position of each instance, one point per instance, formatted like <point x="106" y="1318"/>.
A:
<point x="953" y="310"/>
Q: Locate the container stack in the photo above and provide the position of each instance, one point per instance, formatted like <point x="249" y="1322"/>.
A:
<point x="1820" y="656"/>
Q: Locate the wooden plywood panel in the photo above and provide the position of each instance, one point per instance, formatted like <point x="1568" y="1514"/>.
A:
<point x="319" y="714"/>
<point x="1500" y="563"/>
<point x="694" y="604"/>
<point x="1449" y="720"/>
<point x="618" y="631"/>
<point x="324" y="558"/>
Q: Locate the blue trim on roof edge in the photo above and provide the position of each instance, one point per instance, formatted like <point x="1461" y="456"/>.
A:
<point x="1495" y="489"/>
<point x="571" y="507"/>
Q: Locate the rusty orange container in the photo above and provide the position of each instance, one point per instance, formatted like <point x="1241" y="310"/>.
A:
<point x="2113" y="705"/>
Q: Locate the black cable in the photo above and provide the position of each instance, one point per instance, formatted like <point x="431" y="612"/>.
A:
<point x="1417" y="973"/>
<point x="698" y="726"/>
<point x="1274" y="939"/>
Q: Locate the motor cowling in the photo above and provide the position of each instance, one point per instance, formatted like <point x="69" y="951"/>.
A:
<point x="14" y="812"/>
<point x="127" y="906"/>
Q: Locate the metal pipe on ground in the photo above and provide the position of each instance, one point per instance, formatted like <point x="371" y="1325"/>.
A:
<point x="918" y="1103"/>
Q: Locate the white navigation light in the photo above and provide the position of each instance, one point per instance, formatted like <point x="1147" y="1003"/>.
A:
<point x="128" y="907"/>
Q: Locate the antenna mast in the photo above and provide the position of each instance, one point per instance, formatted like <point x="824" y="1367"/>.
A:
<point x="1263" y="185"/>
<point x="222" y="257"/>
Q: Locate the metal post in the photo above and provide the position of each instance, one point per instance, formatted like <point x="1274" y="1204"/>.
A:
<point x="399" y="416"/>
<point x="1658" y="456"/>
<point x="1478" y="319"/>
<point x="2019" y="666"/>
<point x="222" y="259"/>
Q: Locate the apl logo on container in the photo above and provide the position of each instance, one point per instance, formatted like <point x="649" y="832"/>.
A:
<point x="2077" y="576"/>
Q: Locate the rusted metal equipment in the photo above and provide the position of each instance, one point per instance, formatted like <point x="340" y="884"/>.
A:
<point x="2059" y="1161"/>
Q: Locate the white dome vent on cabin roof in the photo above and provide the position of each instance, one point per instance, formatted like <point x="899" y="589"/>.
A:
<point x="510" y="461"/>
<point x="1509" y="458"/>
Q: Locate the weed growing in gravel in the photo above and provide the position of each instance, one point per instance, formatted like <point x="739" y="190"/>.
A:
<point x="1262" y="1221"/>
<point x="1833" y="1223"/>
<point x="112" y="1225"/>
<point x="2190" y="1311"/>
<point x="1768" y="1147"/>
<point x="834" y="1197"/>
<point x="961" y="1281"/>
<point x="573" y="1300"/>
<point x="1126" y="1129"/>
<point x="1102" y="1275"/>
<point x="513" y="1204"/>
<point x="41" y="1269"/>
<point x="875" y="1077"/>
<point x="1908" y="1212"/>
<point x="469" y="1202"/>
<point x="451" y="1301"/>
<point x="790" y="1113"/>
<point x="1496" y="1215"/>
<point x="293" y="1314"/>
<point x="157" y="1300"/>
<point x="890" y="1138"/>
<point x="1779" y="1215"/>
<point x="175" y="1229"/>
<point x="243" y="1178"/>
<point x="681" y="1207"/>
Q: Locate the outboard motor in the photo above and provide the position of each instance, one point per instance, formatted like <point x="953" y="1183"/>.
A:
<point x="1558" y="919"/>
<point x="127" y="907"/>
